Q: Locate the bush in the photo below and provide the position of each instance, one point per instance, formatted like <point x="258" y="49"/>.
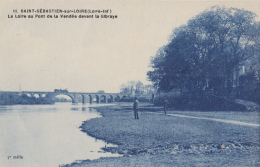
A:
<point x="132" y="99"/>
<point x="207" y="103"/>
<point x="250" y="95"/>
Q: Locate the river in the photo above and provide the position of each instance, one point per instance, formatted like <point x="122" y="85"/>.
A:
<point x="47" y="135"/>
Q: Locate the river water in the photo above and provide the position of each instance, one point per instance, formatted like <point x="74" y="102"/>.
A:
<point x="47" y="135"/>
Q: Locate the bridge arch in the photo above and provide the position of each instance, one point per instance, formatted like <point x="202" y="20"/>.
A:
<point x="63" y="98"/>
<point x="36" y="96"/>
<point x="117" y="98"/>
<point x="96" y="99"/>
<point x="110" y="99"/>
<point x="103" y="99"/>
<point x="84" y="99"/>
<point x="81" y="98"/>
<point x="123" y="98"/>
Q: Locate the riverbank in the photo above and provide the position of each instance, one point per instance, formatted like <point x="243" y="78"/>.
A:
<point x="160" y="140"/>
<point x="15" y="99"/>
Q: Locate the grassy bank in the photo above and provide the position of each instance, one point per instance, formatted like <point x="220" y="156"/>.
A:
<point x="160" y="140"/>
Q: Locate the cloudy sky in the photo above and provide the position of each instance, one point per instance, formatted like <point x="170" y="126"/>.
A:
<point x="88" y="55"/>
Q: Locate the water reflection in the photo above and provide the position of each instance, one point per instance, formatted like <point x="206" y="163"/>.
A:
<point x="74" y="109"/>
<point x="46" y="135"/>
<point x="91" y="109"/>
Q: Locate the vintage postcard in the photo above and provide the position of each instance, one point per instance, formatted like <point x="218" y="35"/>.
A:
<point x="129" y="83"/>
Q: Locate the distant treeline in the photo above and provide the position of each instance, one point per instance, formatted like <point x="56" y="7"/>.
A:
<point x="11" y="99"/>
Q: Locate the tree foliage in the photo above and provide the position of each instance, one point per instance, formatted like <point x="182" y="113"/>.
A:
<point x="206" y="53"/>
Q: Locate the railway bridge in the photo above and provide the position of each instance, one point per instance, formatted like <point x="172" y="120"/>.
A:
<point x="75" y="96"/>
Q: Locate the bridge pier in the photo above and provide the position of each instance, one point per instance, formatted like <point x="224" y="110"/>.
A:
<point x="105" y="100"/>
<point x="90" y="99"/>
<point x="84" y="100"/>
<point x="75" y="100"/>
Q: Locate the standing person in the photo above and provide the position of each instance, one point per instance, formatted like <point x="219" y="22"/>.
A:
<point x="136" y="107"/>
<point x="165" y="105"/>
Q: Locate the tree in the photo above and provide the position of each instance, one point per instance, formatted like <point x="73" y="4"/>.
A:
<point x="149" y="89"/>
<point x="208" y="50"/>
<point x="124" y="88"/>
<point x="157" y="63"/>
<point x="139" y="86"/>
<point x="127" y="87"/>
<point x="230" y="33"/>
<point x="136" y="88"/>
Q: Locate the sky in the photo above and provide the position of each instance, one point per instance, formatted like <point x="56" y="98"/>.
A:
<point x="88" y="55"/>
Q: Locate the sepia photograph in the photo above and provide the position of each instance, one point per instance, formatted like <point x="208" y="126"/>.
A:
<point x="122" y="83"/>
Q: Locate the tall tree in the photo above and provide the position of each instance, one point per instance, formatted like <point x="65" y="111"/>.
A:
<point x="209" y="49"/>
<point x="139" y="86"/>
